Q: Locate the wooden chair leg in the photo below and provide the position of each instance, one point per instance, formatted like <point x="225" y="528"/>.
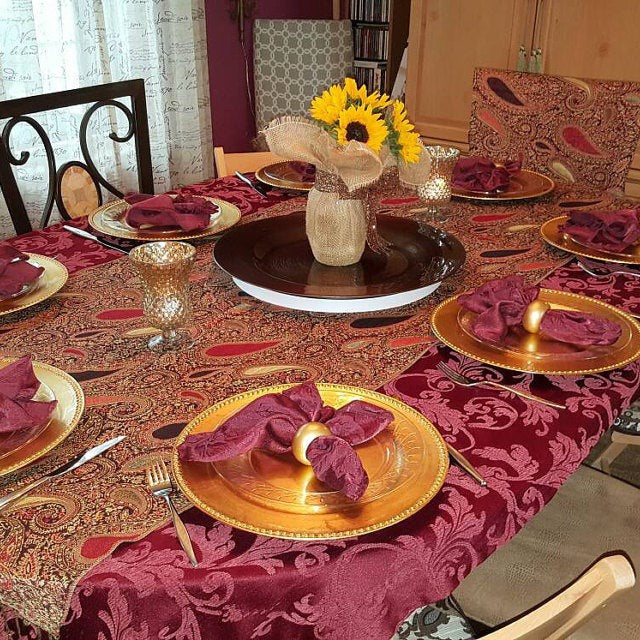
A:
<point x="606" y="458"/>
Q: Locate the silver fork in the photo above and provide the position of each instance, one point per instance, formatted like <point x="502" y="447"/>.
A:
<point x="160" y="484"/>
<point x="602" y="271"/>
<point x="464" y="381"/>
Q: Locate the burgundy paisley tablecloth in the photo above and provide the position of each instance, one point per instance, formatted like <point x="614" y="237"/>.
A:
<point x="252" y="587"/>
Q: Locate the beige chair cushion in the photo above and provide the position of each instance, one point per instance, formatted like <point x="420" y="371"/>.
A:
<point x="590" y="515"/>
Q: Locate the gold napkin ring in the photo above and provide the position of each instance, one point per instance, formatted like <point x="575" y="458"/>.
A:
<point x="533" y="315"/>
<point x="305" y="435"/>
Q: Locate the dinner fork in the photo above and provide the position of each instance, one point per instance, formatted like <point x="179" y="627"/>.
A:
<point x="601" y="271"/>
<point x="160" y="484"/>
<point x="464" y="381"/>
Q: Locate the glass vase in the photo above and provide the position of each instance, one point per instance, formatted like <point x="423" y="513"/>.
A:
<point x="436" y="190"/>
<point x="164" y="268"/>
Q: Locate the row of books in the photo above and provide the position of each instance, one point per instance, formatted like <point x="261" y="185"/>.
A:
<point x="370" y="10"/>
<point x="370" y="42"/>
<point x="372" y="74"/>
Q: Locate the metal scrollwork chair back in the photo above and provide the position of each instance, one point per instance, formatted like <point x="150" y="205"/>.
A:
<point x="75" y="174"/>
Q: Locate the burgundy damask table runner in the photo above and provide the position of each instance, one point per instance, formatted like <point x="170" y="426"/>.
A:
<point x="248" y="586"/>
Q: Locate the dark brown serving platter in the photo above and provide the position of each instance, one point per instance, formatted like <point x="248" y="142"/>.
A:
<point x="274" y="253"/>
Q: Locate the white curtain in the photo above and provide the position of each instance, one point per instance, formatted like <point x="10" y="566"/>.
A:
<point x="53" y="45"/>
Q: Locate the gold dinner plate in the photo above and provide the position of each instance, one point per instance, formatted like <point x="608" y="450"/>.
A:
<point x="535" y="353"/>
<point x="42" y="439"/>
<point x="110" y="219"/>
<point x="50" y="282"/>
<point x="274" y="495"/>
<point x="283" y="176"/>
<point x="550" y="231"/>
<point x="522" y="185"/>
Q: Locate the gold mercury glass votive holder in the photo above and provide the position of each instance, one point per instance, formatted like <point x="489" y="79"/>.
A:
<point x="436" y="191"/>
<point x="164" y="268"/>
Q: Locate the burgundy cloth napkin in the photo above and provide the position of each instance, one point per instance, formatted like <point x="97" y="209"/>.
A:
<point x="482" y="174"/>
<point x="271" y="421"/>
<point x="610" y="230"/>
<point x="501" y="304"/>
<point x="305" y="170"/>
<point x="18" y="410"/>
<point x="15" y="271"/>
<point x="189" y="213"/>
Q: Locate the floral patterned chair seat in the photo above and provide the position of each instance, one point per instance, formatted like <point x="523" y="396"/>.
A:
<point x="582" y="131"/>
<point x="625" y="431"/>
<point x="629" y="421"/>
<point x="435" y="622"/>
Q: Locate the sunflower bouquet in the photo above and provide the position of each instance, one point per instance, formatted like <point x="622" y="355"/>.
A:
<point x="347" y="112"/>
<point x="360" y="143"/>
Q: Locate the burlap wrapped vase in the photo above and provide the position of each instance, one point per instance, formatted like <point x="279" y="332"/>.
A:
<point x="340" y="217"/>
<point x="336" y="227"/>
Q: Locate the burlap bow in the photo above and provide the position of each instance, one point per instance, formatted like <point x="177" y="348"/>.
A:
<point x="348" y="170"/>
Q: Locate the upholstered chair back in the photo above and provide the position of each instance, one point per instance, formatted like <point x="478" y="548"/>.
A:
<point x="582" y="131"/>
<point x="296" y="59"/>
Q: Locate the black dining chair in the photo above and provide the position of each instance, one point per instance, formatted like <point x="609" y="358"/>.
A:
<point x="76" y="182"/>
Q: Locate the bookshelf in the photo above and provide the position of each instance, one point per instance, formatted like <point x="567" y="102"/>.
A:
<point x="380" y="31"/>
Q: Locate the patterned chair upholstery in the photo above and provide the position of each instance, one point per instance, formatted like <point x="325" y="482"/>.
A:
<point x="629" y="421"/>
<point x="294" y="59"/>
<point x="435" y="622"/>
<point x="625" y="431"/>
<point x="583" y="131"/>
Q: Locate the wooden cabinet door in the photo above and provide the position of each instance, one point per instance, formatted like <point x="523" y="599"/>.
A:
<point x="447" y="40"/>
<point x="592" y="39"/>
<point x="589" y="38"/>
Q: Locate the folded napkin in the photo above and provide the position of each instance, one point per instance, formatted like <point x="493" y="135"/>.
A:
<point x="15" y="271"/>
<point x="501" y="304"/>
<point x="189" y="213"/>
<point x="305" y="170"/>
<point x="610" y="230"/>
<point x="483" y="174"/>
<point x="271" y="421"/>
<point x="18" y="410"/>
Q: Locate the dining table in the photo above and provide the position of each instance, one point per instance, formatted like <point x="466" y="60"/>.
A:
<point x="93" y="555"/>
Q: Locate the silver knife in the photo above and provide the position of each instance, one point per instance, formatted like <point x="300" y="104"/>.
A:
<point x="89" y="236"/>
<point x="253" y="186"/>
<point x="74" y="463"/>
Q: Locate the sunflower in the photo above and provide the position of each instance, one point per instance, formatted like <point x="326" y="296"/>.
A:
<point x="399" y="118"/>
<point x="353" y="92"/>
<point x="360" y="95"/>
<point x="361" y="124"/>
<point x="410" y="147"/>
<point x="403" y="140"/>
<point x="327" y="107"/>
<point x="377" y="100"/>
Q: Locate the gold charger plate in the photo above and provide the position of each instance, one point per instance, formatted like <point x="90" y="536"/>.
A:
<point x="534" y="353"/>
<point x="50" y="282"/>
<point x="65" y="417"/>
<point x="275" y="495"/>
<point x="551" y="233"/>
<point x="109" y="219"/>
<point x="283" y="176"/>
<point x="525" y="184"/>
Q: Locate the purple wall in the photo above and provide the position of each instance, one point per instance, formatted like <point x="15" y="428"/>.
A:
<point x="233" y="122"/>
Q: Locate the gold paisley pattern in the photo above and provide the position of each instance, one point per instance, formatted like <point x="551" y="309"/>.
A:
<point x="95" y="331"/>
<point x="581" y="131"/>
